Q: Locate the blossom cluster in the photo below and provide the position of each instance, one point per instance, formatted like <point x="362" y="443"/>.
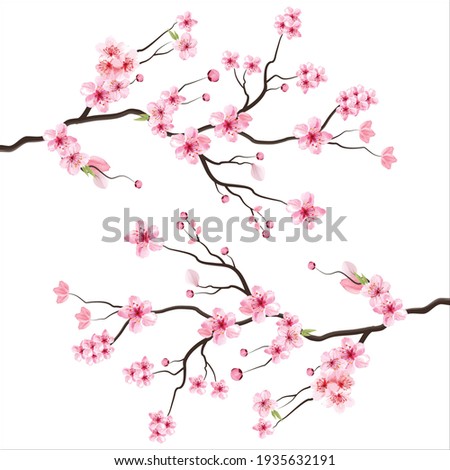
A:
<point x="263" y="405"/>
<point x="161" y="426"/>
<point x="116" y="63"/>
<point x="289" y="337"/>
<point x="378" y="292"/>
<point x="229" y="123"/>
<point x="94" y="350"/>
<point x="160" y="113"/>
<point x="354" y="100"/>
<point x="198" y="385"/>
<point x="220" y="326"/>
<point x="310" y="76"/>
<point x="186" y="45"/>
<point x="72" y="159"/>
<point x="138" y="313"/>
<point x="289" y="23"/>
<point x="335" y="382"/>
<point x="139" y="373"/>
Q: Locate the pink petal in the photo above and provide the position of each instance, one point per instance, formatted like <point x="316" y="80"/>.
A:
<point x="192" y="277"/>
<point x="258" y="172"/>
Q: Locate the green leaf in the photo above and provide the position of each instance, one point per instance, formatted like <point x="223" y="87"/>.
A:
<point x="362" y="279"/>
<point x="87" y="170"/>
<point x="142" y="117"/>
<point x="174" y="35"/>
<point x="276" y="415"/>
<point x="306" y="332"/>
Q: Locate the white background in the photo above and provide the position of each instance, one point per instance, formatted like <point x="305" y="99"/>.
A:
<point x="396" y="226"/>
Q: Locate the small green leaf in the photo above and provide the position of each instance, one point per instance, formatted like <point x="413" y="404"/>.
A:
<point x="306" y="332"/>
<point x="276" y="415"/>
<point x="174" y="35"/>
<point x="362" y="279"/>
<point x="142" y="117"/>
<point x="87" y="170"/>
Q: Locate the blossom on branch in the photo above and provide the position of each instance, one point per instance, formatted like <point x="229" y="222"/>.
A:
<point x="229" y="123"/>
<point x="138" y="313"/>
<point x="310" y="136"/>
<point x="260" y="304"/>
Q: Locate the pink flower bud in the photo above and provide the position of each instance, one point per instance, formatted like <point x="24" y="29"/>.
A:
<point x="260" y="156"/>
<point x="213" y="75"/>
<point x="189" y="294"/>
<point x="266" y="234"/>
<point x="270" y="224"/>
<point x="139" y="77"/>
<point x="243" y="352"/>
<point x="180" y="225"/>
<point x="236" y="374"/>
<point x="224" y="250"/>
<point x="311" y="265"/>
<point x="284" y="87"/>
<point x="206" y="97"/>
<point x="310" y="371"/>
<point x="165" y="362"/>
<point x="138" y="184"/>
<point x="184" y="215"/>
<point x="225" y="199"/>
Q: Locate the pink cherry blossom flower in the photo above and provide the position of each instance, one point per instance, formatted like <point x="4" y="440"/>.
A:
<point x="110" y="49"/>
<point x="319" y="386"/>
<point x="220" y="326"/>
<point x="172" y="98"/>
<point x="157" y="418"/>
<point x="129" y="63"/>
<point x="62" y="292"/>
<point x="169" y="425"/>
<point x="351" y="285"/>
<point x="58" y="139"/>
<point x="96" y="95"/>
<point x="292" y="13"/>
<point x="332" y="360"/>
<point x="158" y="433"/>
<point x="198" y="385"/>
<point x="337" y="398"/>
<point x="365" y="131"/>
<point x="281" y="22"/>
<point x="159" y="112"/>
<point x="260" y="304"/>
<point x="390" y="309"/>
<point x="342" y="379"/>
<point x="220" y="389"/>
<point x="353" y="353"/>
<point x="310" y="76"/>
<point x="355" y="99"/>
<point x="189" y="145"/>
<point x="96" y="164"/>
<point x="229" y="59"/>
<point x="161" y="129"/>
<point x="291" y="336"/>
<point x="292" y="29"/>
<point x="311" y="137"/>
<point x="138" y="313"/>
<point x="304" y="211"/>
<point x="109" y="69"/>
<point x="117" y="89"/>
<point x="251" y="64"/>
<point x="387" y="157"/>
<point x="288" y="320"/>
<point x="229" y="123"/>
<point x="263" y="427"/>
<point x="145" y="238"/>
<point x="84" y="318"/>
<point x="277" y="350"/>
<point x="186" y="22"/>
<point x="263" y="404"/>
<point x="73" y="159"/>
<point x="186" y="45"/>
<point x="375" y="289"/>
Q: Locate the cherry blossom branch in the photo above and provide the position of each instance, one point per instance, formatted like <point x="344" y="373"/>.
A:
<point x="354" y="148"/>
<point x="182" y="307"/>
<point x="209" y="263"/>
<point x="94" y="301"/>
<point x="157" y="39"/>
<point x="184" y="369"/>
<point x="292" y="411"/>
<point x="293" y="396"/>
